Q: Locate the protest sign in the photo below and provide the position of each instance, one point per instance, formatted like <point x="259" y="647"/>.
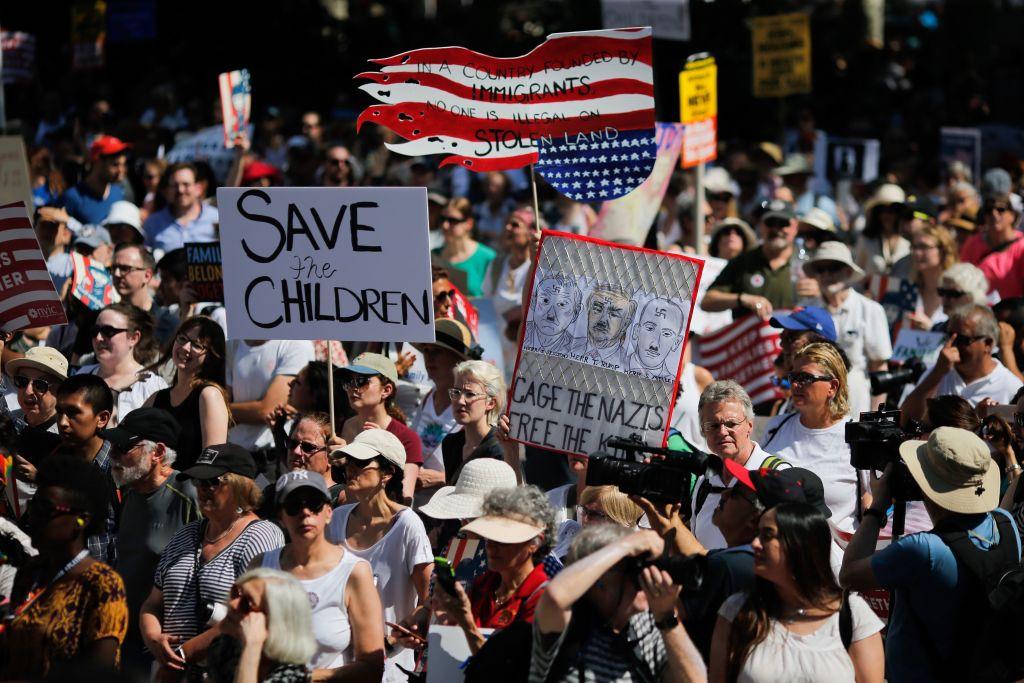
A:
<point x="704" y="322"/>
<point x="27" y="296"/>
<point x="782" y="55"/>
<point x="852" y="159"/>
<point x="206" y="145"/>
<point x="91" y="283"/>
<point x="348" y="263"/>
<point x="918" y="344"/>
<point x="447" y="651"/>
<point x="204" y="270"/>
<point x="698" y="111"/>
<point x="745" y="351"/>
<point x="963" y="145"/>
<point x="235" y="103"/>
<point x="897" y="296"/>
<point x="627" y="220"/>
<point x="670" y="19"/>
<point x="14" y="183"/>
<point x="19" y="57"/>
<point x="601" y="348"/>
<point x="580" y="107"/>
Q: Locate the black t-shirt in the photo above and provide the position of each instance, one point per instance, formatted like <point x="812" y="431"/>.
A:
<point x="729" y="570"/>
<point x="451" y="452"/>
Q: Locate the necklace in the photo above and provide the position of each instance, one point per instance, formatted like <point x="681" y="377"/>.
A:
<point x="509" y="593"/>
<point x="223" y="534"/>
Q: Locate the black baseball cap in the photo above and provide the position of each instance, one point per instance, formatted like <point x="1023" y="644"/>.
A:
<point x="775" y="208"/>
<point x="789" y="485"/>
<point x="221" y="459"/>
<point x="143" y="424"/>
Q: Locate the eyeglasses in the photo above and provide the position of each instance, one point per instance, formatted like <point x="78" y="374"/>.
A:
<point x="118" y="268"/>
<point x="950" y="293"/>
<point x="198" y="347"/>
<point x="357" y="382"/>
<point x="107" y="331"/>
<point x="923" y="247"/>
<point x="963" y="341"/>
<point x="713" y="427"/>
<point x="23" y="382"/>
<point x="336" y="162"/>
<point x="776" y="223"/>
<point x="583" y="512"/>
<point x="41" y="508"/>
<point x="804" y="378"/>
<point x="306" y="447"/>
<point x="210" y="483"/>
<point x="294" y="505"/>
<point x="470" y="396"/>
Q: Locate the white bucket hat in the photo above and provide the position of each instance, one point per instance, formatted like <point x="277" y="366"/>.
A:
<point x="465" y="500"/>
<point x="838" y="252"/>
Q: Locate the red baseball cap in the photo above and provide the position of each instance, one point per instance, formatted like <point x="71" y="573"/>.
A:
<point x="105" y="146"/>
<point x="260" y="169"/>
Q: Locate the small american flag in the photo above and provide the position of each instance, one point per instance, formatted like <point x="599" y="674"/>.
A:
<point x="744" y="351"/>
<point x="897" y="296"/>
<point x="580" y="106"/>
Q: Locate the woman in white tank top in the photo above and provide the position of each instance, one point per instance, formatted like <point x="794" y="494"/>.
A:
<point x="348" y="621"/>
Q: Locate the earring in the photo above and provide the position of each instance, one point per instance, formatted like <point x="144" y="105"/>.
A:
<point x="239" y="510"/>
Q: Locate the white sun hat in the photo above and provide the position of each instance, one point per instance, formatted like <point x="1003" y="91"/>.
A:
<point x="465" y="500"/>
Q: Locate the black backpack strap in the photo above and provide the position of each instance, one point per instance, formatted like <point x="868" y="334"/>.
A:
<point x="776" y="428"/>
<point x="984" y="563"/>
<point x="846" y="621"/>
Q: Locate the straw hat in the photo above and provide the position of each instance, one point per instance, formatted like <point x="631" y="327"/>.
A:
<point x="954" y="468"/>
<point x="465" y="500"/>
<point x="42" y="358"/>
<point x="835" y="251"/>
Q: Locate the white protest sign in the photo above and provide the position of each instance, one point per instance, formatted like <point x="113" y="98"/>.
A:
<point x="601" y="347"/>
<point x="206" y="145"/>
<point x="918" y="344"/>
<point x="350" y="263"/>
<point x="447" y="651"/>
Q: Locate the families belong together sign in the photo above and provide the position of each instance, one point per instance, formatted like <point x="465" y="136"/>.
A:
<point x="351" y="264"/>
<point x="580" y="107"/>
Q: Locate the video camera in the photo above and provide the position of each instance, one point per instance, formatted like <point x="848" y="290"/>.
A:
<point x="891" y="382"/>
<point x="686" y="570"/>
<point x="665" y="479"/>
<point x="875" y="442"/>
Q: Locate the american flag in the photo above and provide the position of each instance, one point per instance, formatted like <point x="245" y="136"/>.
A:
<point x="27" y="295"/>
<point x="897" y="296"/>
<point x="580" y="106"/>
<point x="744" y="351"/>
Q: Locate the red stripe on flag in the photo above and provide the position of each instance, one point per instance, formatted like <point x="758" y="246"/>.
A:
<point x="41" y="285"/>
<point x="56" y="317"/>
<point x="16" y="223"/>
<point x="18" y="244"/>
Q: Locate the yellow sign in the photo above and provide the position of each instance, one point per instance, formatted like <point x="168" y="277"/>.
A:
<point x="782" y="55"/>
<point x="698" y="91"/>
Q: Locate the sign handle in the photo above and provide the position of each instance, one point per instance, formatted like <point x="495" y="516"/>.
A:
<point x="698" y="211"/>
<point x="330" y="385"/>
<point x="536" y="204"/>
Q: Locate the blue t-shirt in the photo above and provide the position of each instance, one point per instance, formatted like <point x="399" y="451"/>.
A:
<point x="924" y="576"/>
<point x="164" y="232"/>
<point x="86" y="207"/>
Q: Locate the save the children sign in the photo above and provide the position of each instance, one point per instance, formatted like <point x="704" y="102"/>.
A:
<point x="351" y="264"/>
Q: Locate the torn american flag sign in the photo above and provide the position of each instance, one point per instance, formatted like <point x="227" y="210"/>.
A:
<point x="580" y="107"/>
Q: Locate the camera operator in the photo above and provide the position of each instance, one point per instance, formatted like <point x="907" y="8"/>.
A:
<point x="605" y="615"/>
<point x="727" y="422"/>
<point x="965" y="366"/>
<point x="938" y="611"/>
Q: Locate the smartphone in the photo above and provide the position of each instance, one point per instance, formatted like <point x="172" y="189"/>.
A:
<point x="445" y="575"/>
<point x="404" y="631"/>
<point x="1004" y="411"/>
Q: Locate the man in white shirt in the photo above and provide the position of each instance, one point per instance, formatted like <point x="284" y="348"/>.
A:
<point x="965" y="366"/>
<point x="727" y="422"/>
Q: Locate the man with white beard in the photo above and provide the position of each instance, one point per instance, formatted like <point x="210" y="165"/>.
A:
<point x="154" y="506"/>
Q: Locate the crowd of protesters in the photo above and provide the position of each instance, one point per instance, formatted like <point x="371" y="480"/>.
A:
<point x="181" y="506"/>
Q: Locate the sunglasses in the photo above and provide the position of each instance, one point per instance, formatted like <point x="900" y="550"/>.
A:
<point x="950" y="293"/>
<point x="776" y="223"/>
<point x="210" y="483"/>
<point x="41" y="385"/>
<point x="963" y="341"/>
<point x="827" y="268"/>
<point x="294" y="505"/>
<point x="998" y="208"/>
<point x="894" y="208"/>
<point x="41" y="508"/>
<point x="452" y="219"/>
<point x="719" y="197"/>
<point x="354" y="465"/>
<point x="805" y="378"/>
<point x="441" y="296"/>
<point x="107" y="331"/>
<point x="306" y="447"/>
<point x="357" y="382"/>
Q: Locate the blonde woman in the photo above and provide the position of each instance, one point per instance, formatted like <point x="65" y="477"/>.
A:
<point x="607" y="504"/>
<point x="478" y="398"/>
<point x="932" y="251"/>
<point x="813" y="437"/>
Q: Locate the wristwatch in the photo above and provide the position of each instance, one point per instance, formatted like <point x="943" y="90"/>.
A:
<point x="883" y="518"/>
<point x="667" y="623"/>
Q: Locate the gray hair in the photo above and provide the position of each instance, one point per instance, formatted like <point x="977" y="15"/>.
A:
<point x="726" y="390"/>
<point x="490" y="377"/>
<point x="964" y="187"/>
<point x="983" y="317"/>
<point x="524" y="501"/>
<point x="594" y="537"/>
<point x="289" y="617"/>
<point x="170" y="455"/>
<point x="969" y="278"/>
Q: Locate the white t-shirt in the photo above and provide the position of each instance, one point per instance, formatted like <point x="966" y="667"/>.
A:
<point x="812" y="658"/>
<point x="700" y="523"/>
<point x="822" y="451"/>
<point x="133" y="397"/>
<point x="1000" y="385"/>
<point x="250" y="370"/>
<point x="331" y="627"/>
<point x="862" y="331"/>
<point x="392" y="560"/>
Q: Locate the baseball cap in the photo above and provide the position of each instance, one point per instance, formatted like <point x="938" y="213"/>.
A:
<point x="299" y="479"/>
<point x="812" y="318"/>
<point x="373" y="364"/>
<point x="255" y="170"/>
<point x="221" y="459"/>
<point x="105" y="146"/>
<point x="775" y="208"/>
<point x="92" y="236"/>
<point x="787" y="485"/>
<point x="371" y="443"/>
<point x="42" y="358"/>
<point x="954" y="469"/>
<point x="123" y="213"/>
<point x="921" y="208"/>
<point x="143" y="424"/>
